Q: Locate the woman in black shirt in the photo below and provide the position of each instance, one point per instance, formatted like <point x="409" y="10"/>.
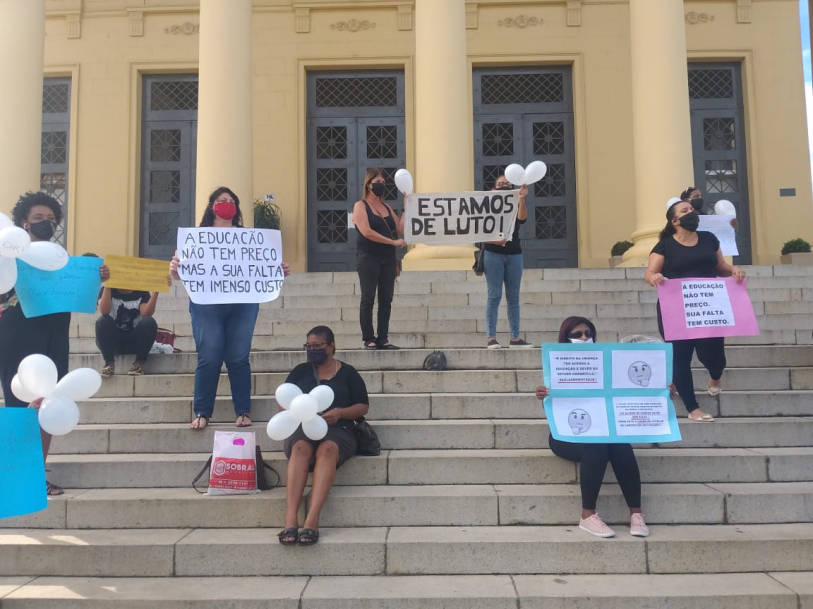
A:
<point x="682" y="252"/>
<point x="378" y="227"/>
<point x="322" y="457"/>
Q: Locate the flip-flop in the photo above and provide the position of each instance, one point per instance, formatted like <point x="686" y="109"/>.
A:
<point x="714" y="390"/>
<point x="308" y="537"/>
<point x="52" y="490"/>
<point x="706" y="418"/>
<point x="242" y="421"/>
<point x="197" y="420"/>
<point x="290" y="533"/>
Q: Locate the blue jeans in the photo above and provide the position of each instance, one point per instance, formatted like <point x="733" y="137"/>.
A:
<point x="499" y="269"/>
<point x="223" y="333"/>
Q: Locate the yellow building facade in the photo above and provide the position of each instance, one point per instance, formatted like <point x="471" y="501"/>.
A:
<point x="151" y="104"/>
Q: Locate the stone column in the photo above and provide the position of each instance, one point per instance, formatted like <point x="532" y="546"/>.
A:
<point x="442" y="119"/>
<point x="22" y="40"/>
<point x="662" y="140"/>
<point x="225" y="120"/>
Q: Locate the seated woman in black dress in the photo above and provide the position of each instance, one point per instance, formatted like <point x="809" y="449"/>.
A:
<point x="322" y="457"/>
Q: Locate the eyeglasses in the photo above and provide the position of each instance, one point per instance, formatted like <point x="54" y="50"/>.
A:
<point x="308" y="347"/>
<point x="502" y="184"/>
<point x="579" y="334"/>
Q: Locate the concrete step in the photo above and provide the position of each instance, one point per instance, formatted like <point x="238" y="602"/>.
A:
<point x="442" y="505"/>
<point x="431" y="434"/>
<point x="677" y="591"/>
<point x="443" y="467"/>
<point x="684" y="549"/>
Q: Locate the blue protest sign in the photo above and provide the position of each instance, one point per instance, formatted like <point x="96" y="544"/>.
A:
<point x="22" y="469"/>
<point x="610" y="393"/>
<point x="72" y="289"/>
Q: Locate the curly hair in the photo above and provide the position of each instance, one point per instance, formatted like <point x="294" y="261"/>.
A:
<point x="30" y="199"/>
<point x="208" y="218"/>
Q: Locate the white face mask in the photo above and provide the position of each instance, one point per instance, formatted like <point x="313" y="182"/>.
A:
<point x="579" y="341"/>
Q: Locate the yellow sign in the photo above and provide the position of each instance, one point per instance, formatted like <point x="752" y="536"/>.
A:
<point x="137" y="274"/>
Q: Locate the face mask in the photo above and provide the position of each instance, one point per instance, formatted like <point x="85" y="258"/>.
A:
<point x="690" y="222"/>
<point x="377" y="188"/>
<point x="580" y="341"/>
<point x="224" y="210"/>
<point x="505" y="188"/>
<point x="697" y="203"/>
<point x="42" y="230"/>
<point x="317" y="356"/>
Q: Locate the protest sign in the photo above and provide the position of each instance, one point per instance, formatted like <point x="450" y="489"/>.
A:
<point x="460" y="217"/>
<point x="230" y="265"/>
<point x="706" y="308"/>
<point x="143" y="274"/>
<point x="72" y="289"/>
<point x="22" y="469"/>
<point x="721" y="227"/>
<point x="610" y="393"/>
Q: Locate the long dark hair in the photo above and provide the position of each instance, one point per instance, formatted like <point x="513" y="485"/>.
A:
<point x="572" y="322"/>
<point x="670" y="229"/>
<point x="208" y="218"/>
<point x="687" y="194"/>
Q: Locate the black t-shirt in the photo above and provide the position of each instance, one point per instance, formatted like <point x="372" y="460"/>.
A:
<point x="510" y="247"/>
<point x="125" y="308"/>
<point x="681" y="261"/>
<point x="348" y="386"/>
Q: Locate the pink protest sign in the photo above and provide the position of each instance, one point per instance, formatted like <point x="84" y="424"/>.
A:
<point x="706" y="308"/>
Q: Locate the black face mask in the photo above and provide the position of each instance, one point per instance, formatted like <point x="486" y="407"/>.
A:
<point x="377" y="188"/>
<point x="697" y="203"/>
<point x="690" y="222"/>
<point x="505" y="188"/>
<point x="42" y="230"/>
<point x="317" y="356"/>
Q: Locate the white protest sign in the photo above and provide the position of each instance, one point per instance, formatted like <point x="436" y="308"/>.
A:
<point x="721" y="227"/>
<point x="230" y="265"/>
<point x="576" y="370"/>
<point x="706" y="303"/>
<point x="460" y="217"/>
<point x="637" y="416"/>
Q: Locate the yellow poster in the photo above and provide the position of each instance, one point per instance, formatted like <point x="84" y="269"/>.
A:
<point x="137" y="274"/>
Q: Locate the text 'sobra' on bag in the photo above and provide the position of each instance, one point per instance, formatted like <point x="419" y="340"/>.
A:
<point x="236" y="465"/>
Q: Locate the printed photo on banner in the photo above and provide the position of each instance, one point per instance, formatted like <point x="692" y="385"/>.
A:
<point x="72" y="289"/>
<point x="460" y="217"/>
<point x="622" y="396"/>
<point x="142" y="274"/>
<point x="22" y="469"/>
<point x="231" y="265"/>
<point x="721" y="227"/>
<point x="706" y="308"/>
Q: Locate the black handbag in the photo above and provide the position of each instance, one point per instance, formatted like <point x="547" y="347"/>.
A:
<point x="367" y="443"/>
<point x="477" y="267"/>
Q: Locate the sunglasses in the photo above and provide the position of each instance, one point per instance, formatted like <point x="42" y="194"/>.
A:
<point x="579" y="334"/>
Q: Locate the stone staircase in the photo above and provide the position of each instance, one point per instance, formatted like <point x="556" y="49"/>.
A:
<point x="466" y="507"/>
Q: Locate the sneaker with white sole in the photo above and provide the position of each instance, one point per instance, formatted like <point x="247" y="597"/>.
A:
<point x="638" y="526"/>
<point x="493" y="344"/>
<point x="520" y="344"/>
<point x="596" y="526"/>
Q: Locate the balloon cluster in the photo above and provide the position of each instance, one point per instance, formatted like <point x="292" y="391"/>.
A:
<point x="534" y="172"/>
<point x="15" y="243"/>
<point x="37" y="378"/>
<point x="300" y="408"/>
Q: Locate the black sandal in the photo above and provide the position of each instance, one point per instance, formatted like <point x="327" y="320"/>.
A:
<point x="291" y="534"/>
<point x="197" y="420"/>
<point x="308" y="537"/>
<point x="371" y="345"/>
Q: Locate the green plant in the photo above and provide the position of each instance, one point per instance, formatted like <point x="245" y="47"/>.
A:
<point x="267" y="214"/>
<point x="796" y="246"/>
<point x="620" y="247"/>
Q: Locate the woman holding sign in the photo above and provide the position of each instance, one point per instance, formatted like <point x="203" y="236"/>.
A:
<point x="222" y="332"/>
<point x="682" y="253"/>
<point x="378" y="228"/>
<point x="39" y="215"/>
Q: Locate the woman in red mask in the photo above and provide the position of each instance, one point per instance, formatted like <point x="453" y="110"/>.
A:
<point x="222" y="332"/>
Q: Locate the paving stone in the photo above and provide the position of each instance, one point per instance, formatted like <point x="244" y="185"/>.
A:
<point x="801" y="583"/>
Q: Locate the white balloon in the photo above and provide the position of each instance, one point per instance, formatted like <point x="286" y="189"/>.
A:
<point x="281" y="425"/>
<point x="286" y="393"/>
<point x="58" y="415"/>
<point x="515" y="174"/>
<point x="5" y="221"/>
<point x="8" y="274"/>
<point x="20" y="392"/>
<point x="315" y="428"/>
<point x="46" y="256"/>
<point x="324" y="396"/>
<point x="79" y="384"/>
<point x="403" y="181"/>
<point x="38" y="375"/>
<point x="725" y="208"/>
<point x="14" y="242"/>
<point x="304" y="407"/>
<point x="535" y="172"/>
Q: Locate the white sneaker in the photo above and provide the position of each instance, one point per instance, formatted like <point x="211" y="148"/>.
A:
<point x="638" y="526"/>
<point x="596" y="526"/>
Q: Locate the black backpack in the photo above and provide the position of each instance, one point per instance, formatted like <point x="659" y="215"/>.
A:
<point x="435" y="361"/>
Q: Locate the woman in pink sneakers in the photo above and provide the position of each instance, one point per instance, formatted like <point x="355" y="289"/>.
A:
<point x="593" y="458"/>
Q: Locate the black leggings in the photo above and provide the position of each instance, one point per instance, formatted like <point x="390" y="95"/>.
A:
<point x="112" y="341"/>
<point x="375" y="273"/>
<point x="710" y="352"/>
<point x="592" y="460"/>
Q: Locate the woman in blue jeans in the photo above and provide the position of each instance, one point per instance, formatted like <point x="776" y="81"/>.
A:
<point x="502" y="263"/>
<point x="222" y="332"/>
